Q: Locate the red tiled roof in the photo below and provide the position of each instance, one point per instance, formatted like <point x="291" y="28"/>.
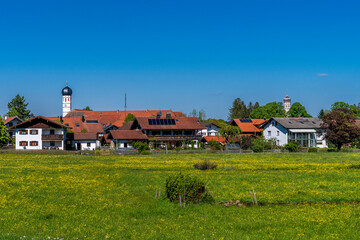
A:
<point x="181" y="123"/>
<point x="249" y="127"/>
<point x="219" y="139"/>
<point x="127" y="135"/>
<point x="85" y="136"/>
<point x="126" y="126"/>
<point x="40" y="121"/>
<point x="118" y="117"/>
<point x="9" y="119"/>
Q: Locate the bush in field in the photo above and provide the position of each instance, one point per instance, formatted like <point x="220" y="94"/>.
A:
<point x="214" y="145"/>
<point x="259" y="144"/>
<point x="292" y="147"/>
<point x="205" y="165"/>
<point x="191" y="188"/>
<point x="142" y="147"/>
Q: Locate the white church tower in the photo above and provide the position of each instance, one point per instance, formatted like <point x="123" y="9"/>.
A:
<point x="66" y="92"/>
<point x="287" y="103"/>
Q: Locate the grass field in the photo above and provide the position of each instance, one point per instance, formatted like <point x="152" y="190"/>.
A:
<point x="302" y="196"/>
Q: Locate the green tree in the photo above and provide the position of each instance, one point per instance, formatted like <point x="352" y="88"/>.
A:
<point x="220" y="122"/>
<point x="18" y="107"/>
<point x="321" y="113"/>
<point x="202" y="115"/>
<point x="230" y="133"/>
<point x="343" y="105"/>
<point x="238" y="110"/>
<point x="340" y="126"/>
<point x="273" y="109"/>
<point x="4" y="134"/>
<point x="298" y="109"/>
<point x="87" y="108"/>
<point x="130" y="117"/>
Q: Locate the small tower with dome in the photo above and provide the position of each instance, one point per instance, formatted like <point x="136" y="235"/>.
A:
<point x="66" y="93"/>
<point x="287" y="103"/>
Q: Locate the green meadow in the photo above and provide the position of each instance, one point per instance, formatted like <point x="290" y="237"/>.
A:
<point x="300" y="196"/>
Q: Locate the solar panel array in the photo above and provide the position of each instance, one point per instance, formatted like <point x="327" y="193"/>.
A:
<point x="161" y="121"/>
<point x="245" y="120"/>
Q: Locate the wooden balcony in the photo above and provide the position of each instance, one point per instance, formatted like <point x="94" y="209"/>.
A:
<point x="55" y="137"/>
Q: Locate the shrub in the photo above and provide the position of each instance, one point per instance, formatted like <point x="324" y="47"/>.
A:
<point x="142" y="147"/>
<point x="292" y="147"/>
<point x="214" y="145"/>
<point x="191" y="188"/>
<point x="260" y="143"/>
<point x="205" y="165"/>
<point x="313" y="149"/>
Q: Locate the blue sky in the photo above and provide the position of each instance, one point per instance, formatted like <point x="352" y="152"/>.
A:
<point x="179" y="55"/>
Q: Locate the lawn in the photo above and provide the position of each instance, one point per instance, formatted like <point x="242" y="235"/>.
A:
<point x="301" y="196"/>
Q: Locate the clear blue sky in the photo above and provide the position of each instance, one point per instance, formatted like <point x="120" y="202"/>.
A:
<point x="179" y="55"/>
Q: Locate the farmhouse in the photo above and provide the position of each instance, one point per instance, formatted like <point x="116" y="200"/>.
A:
<point x="176" y="131"/>
<point x="40" y="133"/>
<point x="249" y="127"/>
<point x="305" y="131"/>
<point x="122" y="139"/>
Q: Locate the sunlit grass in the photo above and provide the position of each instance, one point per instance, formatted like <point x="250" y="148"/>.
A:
<point x="304" y="195"/>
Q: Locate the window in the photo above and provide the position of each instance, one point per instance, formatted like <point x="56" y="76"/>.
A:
<point x="34" y="143"/>
<point x="34" y="132"/>
<point x="52" y="132"/>
<point x="88" y="144"/>
<point x="269" y="133"/>
<point x="278" y="142"/>
<point x="125" y="145"/>
<point x="277" y="133"/>
<point x="23" y="143"/>
<point x="23" y="132"/>
<point x="273" y="123"/>
<point x="76" y="124"/>
<point x="52" y="144"/>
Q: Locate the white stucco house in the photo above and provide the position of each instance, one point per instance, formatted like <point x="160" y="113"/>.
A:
<point x="212" y="129"/>
<point x="40" y="133"/>
<point x="305" y="131"/>
<point x="86" y="141"/>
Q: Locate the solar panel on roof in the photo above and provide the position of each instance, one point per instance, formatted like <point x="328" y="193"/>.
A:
<point x="172" y="121"/>
<point x="157" y="121"/>
<point x="245" y="120"/>
<point x="150" y="122"/>
<point x="162" y="122"/>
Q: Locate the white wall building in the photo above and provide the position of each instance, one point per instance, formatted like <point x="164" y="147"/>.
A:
<point x="305" y="131"/>
<point x="40" y="133"/>
<point x="86" y="141"/>
<point x="211" y="130"/>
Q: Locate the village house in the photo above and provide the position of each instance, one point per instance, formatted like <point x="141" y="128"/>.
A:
<point x="304" y="131"/>
<point x="40" y="133"/>
<point x="211" y="129"/>
<point x="10" y="122"/>
<point x="175" y="131"/>
<point x="123" y="139"/>
<point x="249" y="127"/>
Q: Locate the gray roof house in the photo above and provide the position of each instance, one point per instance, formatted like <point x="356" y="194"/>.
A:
<point x="305" y="131"/>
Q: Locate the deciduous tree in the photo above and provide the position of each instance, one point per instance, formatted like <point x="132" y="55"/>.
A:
<point x="340" y="127"/>
<point x="130" y="117"/>
<point x="273" y="109"/>
<point x="230" y="132"/>
<point x="298" y="110"/>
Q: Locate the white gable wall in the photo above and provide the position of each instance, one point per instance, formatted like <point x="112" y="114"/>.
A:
<point x="277" y="132"/>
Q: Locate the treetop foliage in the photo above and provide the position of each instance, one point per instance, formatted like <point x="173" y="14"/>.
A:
<point x="272" y="109"/>
<point x="4" y="135"/>
<point x="18" y="107"/>
<point x="130" y="117"/>
<point x="239" y="109"/>
<point x="298" y="109"/>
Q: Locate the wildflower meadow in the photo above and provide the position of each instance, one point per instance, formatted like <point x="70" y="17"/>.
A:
<point x="299" y="195"/>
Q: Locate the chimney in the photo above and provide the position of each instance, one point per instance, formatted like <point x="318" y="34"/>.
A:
<point x="5" y="117"/>
<point x="168" y="115"/>
<point x="83" y="118"/>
